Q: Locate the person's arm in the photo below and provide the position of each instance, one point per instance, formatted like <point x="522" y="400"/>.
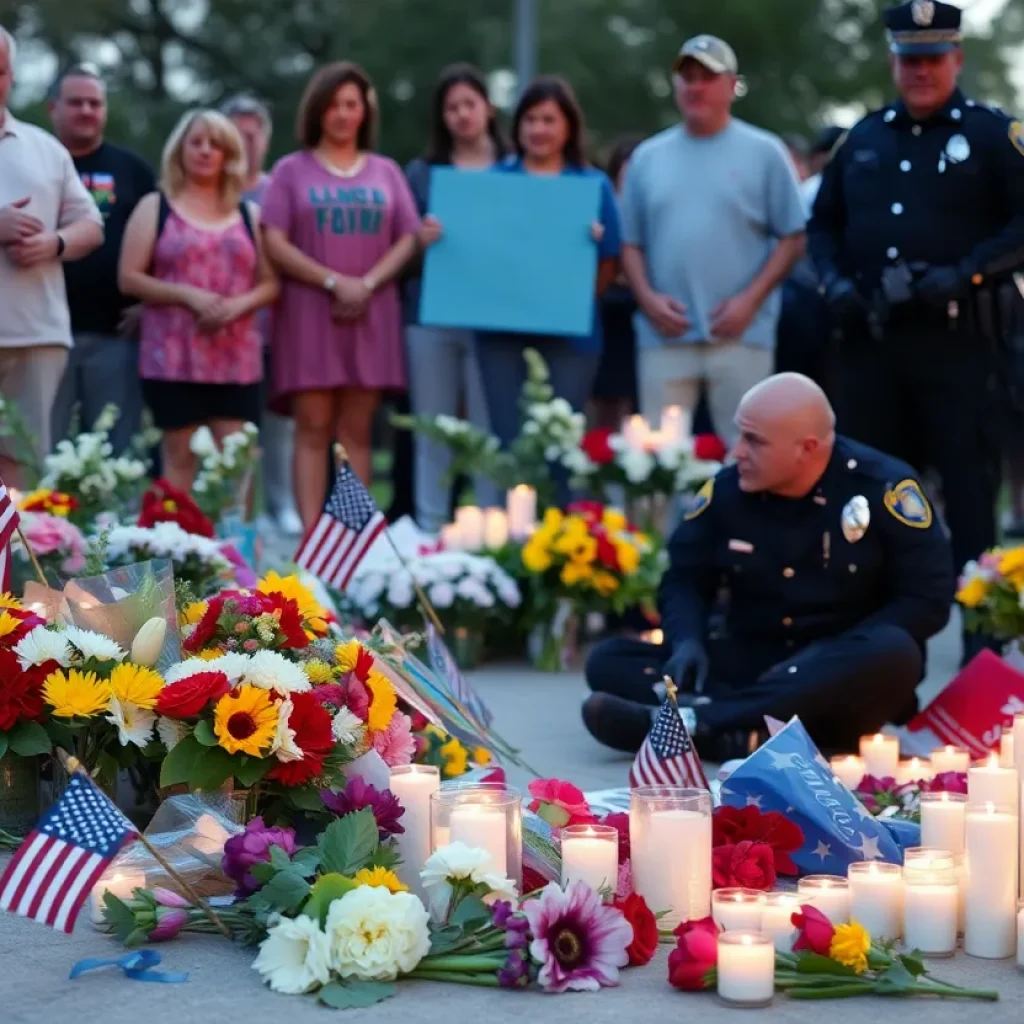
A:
<point x="827" y="225"/>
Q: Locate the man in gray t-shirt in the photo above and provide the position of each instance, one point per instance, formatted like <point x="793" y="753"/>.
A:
<point x="712" y="222"/>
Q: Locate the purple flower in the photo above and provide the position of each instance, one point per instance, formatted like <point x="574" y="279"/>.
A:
<point x="169" y="924"/>
<point x="579" y="942"/>
<point x="517" y="938"/>
<point x="946" y="782"/>
<point x="501" y="911"/>
<point x="358" y="794"/>
<point x="166" y="898"/>
<point x="516" y="972"/>
<point x="251" y="847"/>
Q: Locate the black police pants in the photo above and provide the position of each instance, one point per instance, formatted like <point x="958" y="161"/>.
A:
<point x="931" y="398"/>
<point x="841" y="687"/>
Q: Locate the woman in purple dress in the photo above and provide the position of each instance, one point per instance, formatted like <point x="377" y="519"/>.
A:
<point x="340" y="224"/>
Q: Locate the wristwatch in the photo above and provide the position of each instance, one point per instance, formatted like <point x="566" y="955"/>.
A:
<point x="330" y="281"/>
<point x="61" y="245"/>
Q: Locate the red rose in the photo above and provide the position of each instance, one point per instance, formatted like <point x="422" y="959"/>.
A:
<point x="312" y="727"/>
<point x="189" y="696"/>
<point x="815" y="929"/>
<point x="734" y="824"/>
<point x="559" y="803"/>
<point x="621" y="823"/>
<point x="595" y="445"/>
<point x="709" y="448"/>
<point x="21" y="692"/>
<point x="645" y="929"/>
<point x="164" y="503"/>
<point x="748" y="865"/>
<point x="691" y="964"/>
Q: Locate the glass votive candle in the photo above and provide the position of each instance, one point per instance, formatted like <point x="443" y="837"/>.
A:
<point x="931" y="903"/>
<point x="737" y="910"/>
<point x="881" y="754"/>
<point x="670" y="851"/>
<point x="118" y="881"/>
<point x="413" y="785"/>
<point x="482" y="816"/>
<point x="950" y="759"/>
<point x="828" y="893"/>
<point x="848" y="769"/>
<point x="590" y="854"/>
<point x="876" y="898"/>
<point x="944" y="821"/>
<point x="777" y="919"/>
<point x="746" y="968"/>
<point x="913" y="769"/>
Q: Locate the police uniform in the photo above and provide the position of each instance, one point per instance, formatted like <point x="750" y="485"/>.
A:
<point x="915" y="232"/>
<point x="828" y="601"/>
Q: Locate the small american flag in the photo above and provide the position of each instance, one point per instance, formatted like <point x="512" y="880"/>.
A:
<point x="61" y="860"/>
<point x="668" y="756"/>
<point x="345" y="531"/>
<point x="9" y="520"/>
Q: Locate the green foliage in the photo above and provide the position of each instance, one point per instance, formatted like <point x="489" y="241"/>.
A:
<point x="26" y="739"/>
<point x="348" y="843"/>
<point x="179" y="763"/>
<point x="354" y="995"/>
<point x="325" y="891"/>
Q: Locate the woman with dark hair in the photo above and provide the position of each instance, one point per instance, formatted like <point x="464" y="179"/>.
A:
<point x="340" y="225"/>
<point x="444" y="377"/>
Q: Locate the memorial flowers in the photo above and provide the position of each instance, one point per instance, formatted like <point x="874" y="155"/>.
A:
<point x="990" y="593"/>
<point x="196" y="559"/>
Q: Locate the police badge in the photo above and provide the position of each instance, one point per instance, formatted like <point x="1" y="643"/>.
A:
<point x="855" y="518"/>
<point x="958" y="149"/>
<point x="922" y="11"/>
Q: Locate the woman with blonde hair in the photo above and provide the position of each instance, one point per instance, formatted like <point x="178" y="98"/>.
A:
<point x="192" y="254"/>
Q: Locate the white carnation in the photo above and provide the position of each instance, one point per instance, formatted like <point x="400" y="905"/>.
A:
<point x="284" y="747"/>
<point x="637" y="465"/>
<point x="347" y="727"/>
<point x="43" y="645"/>
<point x="270" y="670"/>
<point x="93" y="645"/>
<point x="400" y="591"/>
<point x="295" y="956"/>
<point x="441" y="595"/>
<point x="171" y="732"/>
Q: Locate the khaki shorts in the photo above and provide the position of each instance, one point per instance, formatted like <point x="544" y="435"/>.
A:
<point x="29" y="378"/>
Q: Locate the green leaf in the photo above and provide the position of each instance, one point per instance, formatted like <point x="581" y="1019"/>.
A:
<point x="896" y="979"/>
<point x="814" y="963"/>
<point x="286" y="891"/>
<point x="106" y="769"/>
<point x="180" y="763"/>
<point x="27" y="739"/>
<point x="118" y="915"/>
<point x="325" y="891"/>
<point x="306" y="798"/>
<point x="306" y="861"/>
<point x="446" y="939"/>
<point x="252" y="769"/>
<point x="212" y="769"/>
<point x="354" y="995"/>
<point x="3" y="743"/>
<point x="279" y="859"/>
<point x="470" y="913"/>
<point x="347" y="844"/>
<point x="385" y="857"/>
<point x="204" y="733"/>
<point x="913" y="963"/>
<point x="263" y="872"/>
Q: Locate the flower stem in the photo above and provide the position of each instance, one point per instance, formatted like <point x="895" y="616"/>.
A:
<point x="830" y="991"/>
<point x="462" y="963"/>
<point x="943" y="990"/>
<point x="452" y="977"/>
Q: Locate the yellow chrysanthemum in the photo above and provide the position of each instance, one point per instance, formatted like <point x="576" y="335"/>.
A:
<point x="10" y="601"/>
<point x="536" y="556"/>
<point x="613" y="519"/>
<point x="605" y="583"/>
<point x="850" y="946"/>
<point x="318" y="671"/>
<point x="8" y="624"/>
<point x="456" y="759"/>
<point x="482" y="757"/>
<point x="136" y="684"/>
<point x="245" y="721"/>
<point x="346" y="655"/>
<point x="314" y="615"/>
<point x="383" y="702"/>
<point x="575" y="572"/>
<point x="76" y="694"/>
<point x="628" y="556"/>
<point x="192" y="613"/>
<point x="208" y="654"/>
<point x="585" y="550"/>
<point x="973" y="592"/>
<point x="553" y="519"/>
<point x="380" y="877"/>
<point x="1011" y="563"/>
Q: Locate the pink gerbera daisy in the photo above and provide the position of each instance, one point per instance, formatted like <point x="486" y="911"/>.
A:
<point x="579" y="942"/>
<point x="395" y="744"/>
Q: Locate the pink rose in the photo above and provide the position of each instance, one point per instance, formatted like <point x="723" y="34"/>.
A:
<point x="559" y="803"/>
<point x="395" y="744"/>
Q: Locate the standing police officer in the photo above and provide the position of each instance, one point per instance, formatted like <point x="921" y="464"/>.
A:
<point x="917" y="225"/>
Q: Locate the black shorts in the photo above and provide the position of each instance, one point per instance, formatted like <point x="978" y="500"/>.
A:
<point x="177" y="404"/>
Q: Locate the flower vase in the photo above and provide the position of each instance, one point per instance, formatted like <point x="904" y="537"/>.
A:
<point x="19" y="793"/>
<point x="467" y="647"/>
<point x="554" y="646"/>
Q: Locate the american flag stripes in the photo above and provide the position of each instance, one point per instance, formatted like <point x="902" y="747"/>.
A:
<point x="668" y="756"/>
<point x="345" y="531"/>
<point x="9" y="520"/>
<point x="62" y="859"/>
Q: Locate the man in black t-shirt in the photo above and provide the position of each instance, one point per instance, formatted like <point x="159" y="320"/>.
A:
<point x="104" y="363"/>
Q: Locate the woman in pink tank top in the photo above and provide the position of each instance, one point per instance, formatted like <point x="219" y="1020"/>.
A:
<point x="192" y="254"/>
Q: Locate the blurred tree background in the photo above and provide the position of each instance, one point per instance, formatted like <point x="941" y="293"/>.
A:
<point x="801" y="59"/>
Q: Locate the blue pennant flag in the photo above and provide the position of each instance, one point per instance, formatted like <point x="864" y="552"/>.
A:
<point x="790" y="775"/>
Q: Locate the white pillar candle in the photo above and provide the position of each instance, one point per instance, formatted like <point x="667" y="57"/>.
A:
<point x="1006" y="749"/>
<point x="675" y="424"/>
<point x="481" y="827"/>
<point x="777" y="919"/>
<point x="990" y="903"/>
<point x="930" y="912"/>
<point x="943" y="817"/>
<point x="121" y="882"/>
<point x="746" y="968"/>
<point x="737" y="910"/>
<point x="881" y="755"/>
<point x="412" y="785"/>
<point x="590" y="854"/>
<point x="876" y="898"/>
<point x="495" y="528"/>
<point x="950" y="759"/>
<point x="988" y="783"/>
<point x="636" y="432"/>
<point x="451" y="537"/>
<point x="848" y="770"/>
<point x="521" y="504"/>
<point x="1017" y="732"/>
<point x="470" y="520"/>
<point x="828" y="893"/>
<point x="913" y="770"/>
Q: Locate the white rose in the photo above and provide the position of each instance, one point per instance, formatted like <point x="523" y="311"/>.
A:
<point x="441" y="595"/>
<point x="295" y="956"/>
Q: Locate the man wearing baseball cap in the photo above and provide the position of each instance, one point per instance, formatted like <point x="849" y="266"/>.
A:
<point x="712" y="223"/>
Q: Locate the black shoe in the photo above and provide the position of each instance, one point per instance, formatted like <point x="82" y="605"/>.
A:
<point x="616" y="722"/>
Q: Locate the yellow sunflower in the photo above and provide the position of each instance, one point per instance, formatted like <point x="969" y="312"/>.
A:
<point x="346" y="655"/>
<point x="76" y="694"/>
<point x="456" y="759"/>
<point x="380" y="877"/>
<point x="318" y="671"/>
<point x="8" y="624"/>
<point x="850" y="946"/>
<point x="192" y="613"/>
<point x="245" y="721"/>
<point x="10" y="601"/>
<point x="383" y="702"/>
<point x="136" y="684"/>
<point x="314" y="615"/>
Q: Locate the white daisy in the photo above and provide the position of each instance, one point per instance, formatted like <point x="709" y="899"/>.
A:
<point x="42" y="645"/>
<point x="272" y="671"/>
<point x="134" y="724"/>
<point x="284" y="747"/>
<point x="93" y="645"/>
<point x="171" y="732"/>
<point x="347" y="727"/>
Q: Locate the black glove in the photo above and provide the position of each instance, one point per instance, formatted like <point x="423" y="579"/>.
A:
<point x="940" y="285"/>
<point x="846" y="304"/>
<point x="688" y="666"/>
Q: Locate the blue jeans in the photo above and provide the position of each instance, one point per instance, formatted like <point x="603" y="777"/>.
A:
<point x="503" y="370"/>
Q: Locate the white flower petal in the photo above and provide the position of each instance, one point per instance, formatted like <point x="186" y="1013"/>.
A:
<point x="295" y="956"/>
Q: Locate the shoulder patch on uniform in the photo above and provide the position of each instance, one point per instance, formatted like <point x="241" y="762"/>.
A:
<point x="1016" y="134"/>
<point x="907" y="503"/>
<point x="701" y="500"/>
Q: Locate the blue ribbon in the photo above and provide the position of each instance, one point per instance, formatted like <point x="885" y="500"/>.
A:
<point x="135" y="966"/>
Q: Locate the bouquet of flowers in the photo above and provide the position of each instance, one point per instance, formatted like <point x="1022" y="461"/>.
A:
<point x="164" y="503"/>
<point x="55" y="503"/>
<point x="57" y="543"/>
<point x="447" y="753"/>
<point x="991" y="592"/>
<point x="22" y="712"/>
<point x="196" y="559"/>
<point x="225" y="472"/>
<point x="884" y="797"/>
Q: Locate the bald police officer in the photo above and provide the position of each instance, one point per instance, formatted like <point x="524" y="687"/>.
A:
<point x="916" y="229"/>
<point x="829" y="570"/>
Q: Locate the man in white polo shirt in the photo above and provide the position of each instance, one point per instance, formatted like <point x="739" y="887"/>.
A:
<point x="46" y="217"/>
<point x="712" y="223"/>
